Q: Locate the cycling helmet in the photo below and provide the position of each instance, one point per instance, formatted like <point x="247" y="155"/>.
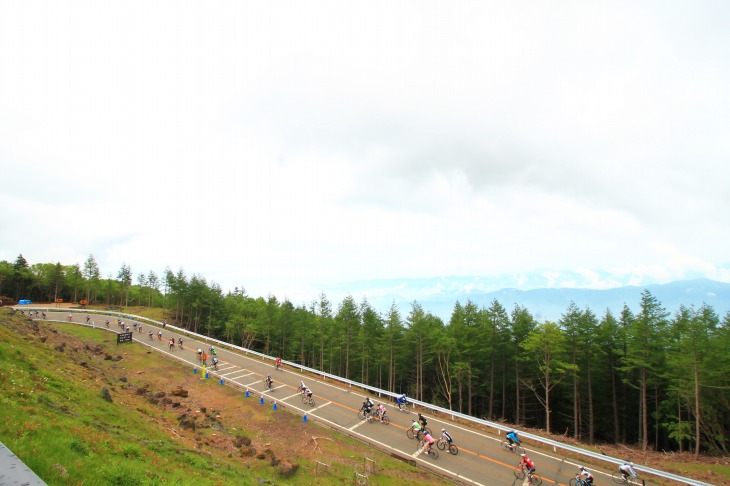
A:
<point x="443" y="430"/>
<point x="523" y="455"/>
<point x="631" y="463"/>
<point x="582" y="468"/>
<point x="268" y="376"/>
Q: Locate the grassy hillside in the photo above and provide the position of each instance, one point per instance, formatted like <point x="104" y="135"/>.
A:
<point x="78" y="409"/>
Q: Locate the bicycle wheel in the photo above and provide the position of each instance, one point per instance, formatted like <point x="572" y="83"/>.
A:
<point x="505" y="446"/>
<point x="433" y="453"/>
<point x="519" y="472"/>
<point x="618" y="478"/>
<point x="571" y="482"/>
<point x="535" y="479"/>
<point x="441" y="445"/>
<point x="410" y="434"/>
<point x="361" y="415"/>
<point x="304" y="399"/>
<point x="311" y="401"/>
<point x="428" y="431"/>
<point x="371" y="419"/>
<point x="385" y="420"/>
<point x="453" y="450"/>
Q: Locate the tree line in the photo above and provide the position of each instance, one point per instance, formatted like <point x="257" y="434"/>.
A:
<point x="649" y="378"/>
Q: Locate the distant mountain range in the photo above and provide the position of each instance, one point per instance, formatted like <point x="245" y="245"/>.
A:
<point x="439" y="295"/>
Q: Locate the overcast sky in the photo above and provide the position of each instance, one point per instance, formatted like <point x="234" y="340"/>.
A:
<point x="288" y="146"/>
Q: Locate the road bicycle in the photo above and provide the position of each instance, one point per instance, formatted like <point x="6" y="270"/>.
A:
<point x="516" y="448"/>
<point x="412" y="434"/>
<point x="269" y="383"/>
<point x="373" y="416"/>
<point x="577" y="481"/>
<point x="307" y="399"/>
<point x="442" y="444"/>
<point x="618" y="477"/>
<point x="362" y="414"/>
<point x="403" y="407"/>
<point x="431" y="451"/>
<point x="533" y="478"/>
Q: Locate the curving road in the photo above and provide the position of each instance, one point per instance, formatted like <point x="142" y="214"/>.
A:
<point x="480" y="460"/>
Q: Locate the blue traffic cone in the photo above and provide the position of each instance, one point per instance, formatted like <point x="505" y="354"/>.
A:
<point x="206" y="375"/>
<point x="304" y="419"/>
<point x="221" y="382"/>
<point x="261" y="401"/>
<point x="274" y="405"/>
<point x="195" y="370"/>
<point x="246" y="394"/>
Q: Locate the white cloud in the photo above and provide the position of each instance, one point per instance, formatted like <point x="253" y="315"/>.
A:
<point x="287" y="147"/>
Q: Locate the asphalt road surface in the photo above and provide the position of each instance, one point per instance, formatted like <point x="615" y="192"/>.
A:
<point x="480" y="460"/>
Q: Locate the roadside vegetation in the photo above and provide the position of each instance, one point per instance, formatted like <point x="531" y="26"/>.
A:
<point x="646" y="379"/>
<point x="78" y="409"/>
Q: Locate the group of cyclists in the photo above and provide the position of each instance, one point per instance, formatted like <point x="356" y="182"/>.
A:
<point x="583" y="477"/>
<point x="304" y="390"/>
<point x="418" y="426"/>
<point x="203" y="356"/>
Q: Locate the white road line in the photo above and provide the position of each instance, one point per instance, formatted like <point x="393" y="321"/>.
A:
<point x="291" y="396"/>
<point x="235" y="371"/>
<point x="323" y="405"/>
<point x="357" y="425"/>
<point x="236" y="377"/>
<point x="253" y="382"/>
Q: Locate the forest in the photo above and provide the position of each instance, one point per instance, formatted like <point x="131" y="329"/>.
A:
<point x="648" y="378"/>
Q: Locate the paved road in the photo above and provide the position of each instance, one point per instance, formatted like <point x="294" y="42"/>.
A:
<point x="480" y="461"/>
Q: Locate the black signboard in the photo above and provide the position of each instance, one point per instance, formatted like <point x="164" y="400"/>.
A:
<point x="124" y="337"/>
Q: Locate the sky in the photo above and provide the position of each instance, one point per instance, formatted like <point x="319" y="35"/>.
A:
<point x="294" y="147"/>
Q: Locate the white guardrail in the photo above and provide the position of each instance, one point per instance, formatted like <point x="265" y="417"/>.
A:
<point x="555" y="445"/>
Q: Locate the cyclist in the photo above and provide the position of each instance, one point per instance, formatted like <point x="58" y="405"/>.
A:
<point x="367" y="405"/>
<point x="204" y="358"/>
<point x="70" y="317"/>
<point x="428" y="440"/>
<point x="587" y="476"/>
<point x="200" y="354"/>
<point x="308" y="392"/>
<point x="301" y="387"/>
<point x="527" y="464"/>
<point x="215" y="362"/>
<point x="44" y="316"/>
<point x="107" y="323"/>
<point x="401" y="400"/>
<point x="179" y="343"/>
<point x="269" y="382"/>
<point x="278" y="363"/>
<point x="446" y="436"/>
<point x="172" y="343"/>
<point x="88" y="318"/>
<point x="627" y="469"/>
<point x="159" y="335"/>
<point x="151" y="334"/>
<point x="423" y="421"/>
<point x="513" y="439"/>
<point x="416" y="427"/>
<point x="381" y="411"/>
<point x="212" y="351"/>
